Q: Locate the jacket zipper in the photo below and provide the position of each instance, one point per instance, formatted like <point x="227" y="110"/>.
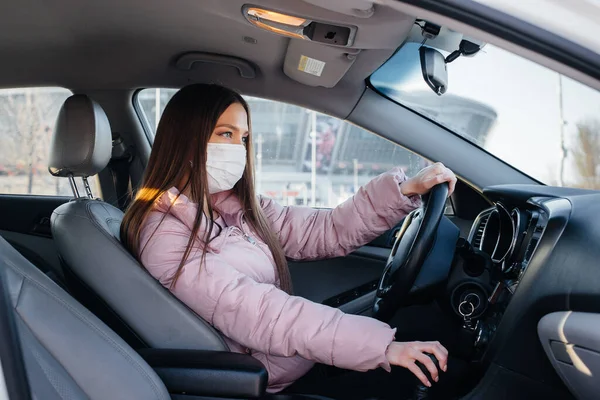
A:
<point x="253" y="242"/>
<point x="249" y="238"/>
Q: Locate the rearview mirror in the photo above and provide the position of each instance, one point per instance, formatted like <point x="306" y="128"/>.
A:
<point x="433" y="67"/>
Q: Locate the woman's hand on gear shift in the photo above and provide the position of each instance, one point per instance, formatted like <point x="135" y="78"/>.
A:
<point x="405" y="354"/>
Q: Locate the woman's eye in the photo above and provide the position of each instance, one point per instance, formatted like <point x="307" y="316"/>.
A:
<point x="245" y="139"/>
<point x="228" y="135"/>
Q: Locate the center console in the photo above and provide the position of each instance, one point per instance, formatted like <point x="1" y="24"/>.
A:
<point x="206" y="375"/>
<point x="488" y="268"/>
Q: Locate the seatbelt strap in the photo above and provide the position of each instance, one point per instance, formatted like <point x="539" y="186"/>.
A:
<point x="119" y="167"/>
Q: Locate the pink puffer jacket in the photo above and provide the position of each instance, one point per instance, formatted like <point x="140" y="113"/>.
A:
<point x="236" y="290"/>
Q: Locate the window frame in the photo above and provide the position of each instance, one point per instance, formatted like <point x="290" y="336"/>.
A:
<point x="137" y="107"/>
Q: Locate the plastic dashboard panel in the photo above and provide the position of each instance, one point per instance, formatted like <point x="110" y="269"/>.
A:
<point x="572" y="343"/>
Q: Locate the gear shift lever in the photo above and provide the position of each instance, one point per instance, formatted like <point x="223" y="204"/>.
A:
<point x="422" y="391"/>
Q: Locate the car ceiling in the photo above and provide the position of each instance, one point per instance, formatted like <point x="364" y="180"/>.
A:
<point x="130" y="44"/>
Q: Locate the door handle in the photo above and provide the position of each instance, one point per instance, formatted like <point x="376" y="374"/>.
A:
<point x="42" y="227"/>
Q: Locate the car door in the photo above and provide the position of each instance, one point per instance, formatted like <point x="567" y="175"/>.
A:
<point x="28" y="193"/>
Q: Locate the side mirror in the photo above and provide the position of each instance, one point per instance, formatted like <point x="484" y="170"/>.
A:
<point x="433" y="67"/>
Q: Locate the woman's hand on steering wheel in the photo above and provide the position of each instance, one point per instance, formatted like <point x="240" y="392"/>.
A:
<point x="405" y="354"/>
<point x="427" y="178"/>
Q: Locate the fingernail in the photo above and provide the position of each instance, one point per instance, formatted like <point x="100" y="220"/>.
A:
<point x="428" y="384"/>
<point x="437" y="378"/>
<point x="445" y="368"/>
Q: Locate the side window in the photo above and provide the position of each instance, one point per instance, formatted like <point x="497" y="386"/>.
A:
<point x="27" y="119"/>
<point x="292" y="142"/>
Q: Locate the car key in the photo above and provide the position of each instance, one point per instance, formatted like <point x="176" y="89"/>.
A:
<point x="466" y="308"/>
<point x="466" y="336"/>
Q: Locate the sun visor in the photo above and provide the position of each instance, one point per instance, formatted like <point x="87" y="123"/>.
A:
<point x="314" y="64"/>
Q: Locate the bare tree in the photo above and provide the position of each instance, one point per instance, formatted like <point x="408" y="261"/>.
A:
<point x="586" y="154"/>
<point x="25" y="130"/>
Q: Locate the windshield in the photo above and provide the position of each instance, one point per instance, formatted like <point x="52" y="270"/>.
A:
<point x="540" y="122"/>
<point x="578" y="18"/>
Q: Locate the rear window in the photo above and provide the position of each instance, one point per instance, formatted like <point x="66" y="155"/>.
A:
<point x="27" y="119"/>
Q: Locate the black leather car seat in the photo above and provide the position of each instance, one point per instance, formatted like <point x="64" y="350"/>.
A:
<point x="100" y="271"/>
<point x="69" y="353"/>
<point x="61" y="351"/>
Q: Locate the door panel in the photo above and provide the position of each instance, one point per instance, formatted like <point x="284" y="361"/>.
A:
<point x="321" y="281"/>
<point x="25" y="224"/>
<point x="345" y="282"/>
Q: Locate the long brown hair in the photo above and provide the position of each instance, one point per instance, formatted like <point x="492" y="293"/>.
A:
<point x="182" y="135"/>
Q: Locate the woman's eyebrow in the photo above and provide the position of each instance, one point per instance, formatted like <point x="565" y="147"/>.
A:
<point x="233" y="127"/>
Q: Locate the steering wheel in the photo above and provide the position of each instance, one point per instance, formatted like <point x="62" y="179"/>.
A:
<point x="413" y="243"/>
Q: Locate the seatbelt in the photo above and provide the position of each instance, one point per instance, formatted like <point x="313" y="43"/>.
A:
<point x="119" y="164"/>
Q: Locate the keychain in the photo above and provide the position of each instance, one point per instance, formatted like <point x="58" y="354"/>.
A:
<point x="466" y="309"/>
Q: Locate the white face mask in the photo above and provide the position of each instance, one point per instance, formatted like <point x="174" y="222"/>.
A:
<point x="225" y="164"/>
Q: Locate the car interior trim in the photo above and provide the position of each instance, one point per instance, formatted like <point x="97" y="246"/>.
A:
<point x="516" y="31"/>
<point x="208" y="373"/>
<point x="482" y="34"/>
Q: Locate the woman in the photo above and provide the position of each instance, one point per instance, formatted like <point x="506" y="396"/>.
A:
<point x="198" y="227"/>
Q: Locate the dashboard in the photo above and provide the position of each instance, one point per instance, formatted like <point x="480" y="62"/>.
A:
<point x="501" y="245"/>
<point x="502" y="251"/>
<point x="532" y="255"/>
<point x="510" y="237"/>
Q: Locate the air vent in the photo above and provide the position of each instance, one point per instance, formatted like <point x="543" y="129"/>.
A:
<point x="476" y="242"/>
<point x="479" y="227"/>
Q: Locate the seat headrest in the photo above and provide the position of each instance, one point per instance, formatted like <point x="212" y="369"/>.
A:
<point x="82" y="141"/>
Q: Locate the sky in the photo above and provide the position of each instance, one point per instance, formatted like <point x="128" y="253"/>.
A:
<point x="526" y="98"/>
